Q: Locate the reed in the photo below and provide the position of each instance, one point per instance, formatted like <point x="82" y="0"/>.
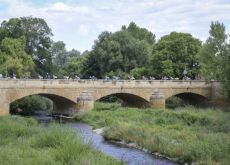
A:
<point x="189" y="134"/>
<point x="24" y="142"/>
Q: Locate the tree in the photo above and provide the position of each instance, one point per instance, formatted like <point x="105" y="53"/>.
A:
<point x="14" y="59"/>
<point x="167" y="68"/>
<point x="140" y="33"/>
<point x="174" y="53"/>
<point x="120" y="52"/>
<point x="226" y="71"/>
<point x="73" y="67"/>
<point x="59" y="54"/>
<point x="138" y="72"/>
<point x="66" y="63"/>
<point x="74" y="53"/>
<point x="215" y="57"/>
<point x="11" y="29"/>
<point x="37" y="39"/>
<point x="213" y="51"/>
<point x="104" y="57"/>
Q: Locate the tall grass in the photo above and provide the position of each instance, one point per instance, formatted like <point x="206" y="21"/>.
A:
<point x="23" y="142"/>
<point x="190" y="134"/>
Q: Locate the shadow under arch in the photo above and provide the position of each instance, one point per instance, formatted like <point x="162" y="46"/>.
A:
<point x="191" y="99"/>
<point x="128" y="100"/>
<point x="61" y="104"/>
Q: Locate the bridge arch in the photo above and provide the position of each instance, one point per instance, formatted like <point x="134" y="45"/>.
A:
<point x="61" y="104"/>
<point x="196" y="91"/>
<point x="47" y="93"/>
<point x="130" y="100"/>
<point x="195" y="99"/>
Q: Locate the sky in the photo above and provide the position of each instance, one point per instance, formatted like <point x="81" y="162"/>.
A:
<point x="79" y="22"/>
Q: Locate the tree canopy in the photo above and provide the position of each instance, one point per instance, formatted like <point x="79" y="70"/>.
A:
<point x="14" y="59"/>
<point x="120" y="52"/>
<point x="215" y="56"/>
<point x="175" y="53"/>
<point x="37" y="36"/>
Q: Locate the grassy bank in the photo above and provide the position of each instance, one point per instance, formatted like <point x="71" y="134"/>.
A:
<point x="190" y="134"/>
<point x="23" y="142"/>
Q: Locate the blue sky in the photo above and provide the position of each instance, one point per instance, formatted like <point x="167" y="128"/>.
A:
<point x="79" y="22"/>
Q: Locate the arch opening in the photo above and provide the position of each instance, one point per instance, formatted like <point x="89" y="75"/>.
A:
<point x="126" y="100"/>
<point x="42" y="103"/>
<point x="185" y="99"/>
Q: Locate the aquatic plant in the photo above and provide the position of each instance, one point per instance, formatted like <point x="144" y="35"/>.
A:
<point x="189" y="134"/>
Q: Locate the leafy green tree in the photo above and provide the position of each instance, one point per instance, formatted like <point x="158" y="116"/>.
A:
<point x="226" y="71"/>
<point x="167" y="68"/>
<point x="14" y="59"/>
<point x="212" y="52"/>
<point x="37" y="39"/>
<point x="90" y="66"/>
<point x="66" y="63"/>
<point x="139" y="72"/>
<point x="11" y="29"/>
<point x="59" y="54"/>
<point x="215" y="57"/>
<point x="73" y="67"/>
<point x="174" y="53"/>
<point x="74" y="53"/>
<point x="140" y="33"/>
<point x="119" y="52"/>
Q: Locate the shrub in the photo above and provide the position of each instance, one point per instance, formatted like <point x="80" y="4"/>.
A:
<point x="174" y="102"/>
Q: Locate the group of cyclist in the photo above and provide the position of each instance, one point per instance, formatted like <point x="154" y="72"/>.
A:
<point x="129" y="77"/>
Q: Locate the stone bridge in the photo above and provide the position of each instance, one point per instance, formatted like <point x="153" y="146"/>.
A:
<point x="70" y="96"/>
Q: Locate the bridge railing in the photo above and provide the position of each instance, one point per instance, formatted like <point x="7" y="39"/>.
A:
<point x="103" y="80"/>
<point x="71" y="83"/>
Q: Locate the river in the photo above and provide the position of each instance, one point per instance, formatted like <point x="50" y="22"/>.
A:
<point x="130" y="156"/>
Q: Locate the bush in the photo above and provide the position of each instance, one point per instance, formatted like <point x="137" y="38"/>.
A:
<point x="174" y="102"/>
<point x="28" y="105"/>
<point x="106" y="106"/>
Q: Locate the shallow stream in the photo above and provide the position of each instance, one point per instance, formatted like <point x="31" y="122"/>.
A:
<point x="130" y="156"/>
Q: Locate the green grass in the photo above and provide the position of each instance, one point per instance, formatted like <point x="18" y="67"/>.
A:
<point x="23" y="142"/>
<point x="190" y="134"/>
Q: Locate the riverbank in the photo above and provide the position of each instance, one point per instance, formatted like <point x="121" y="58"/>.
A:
<point x="188" y="134"/>
<point x="24" y="142"/>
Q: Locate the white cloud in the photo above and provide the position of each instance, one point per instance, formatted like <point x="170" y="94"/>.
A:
<point x="61" y="7"/>
<point x="106" y="27"/>
<point x="84" y="30"/>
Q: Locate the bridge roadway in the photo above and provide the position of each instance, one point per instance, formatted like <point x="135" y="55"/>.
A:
<point x="70" y="96"/>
